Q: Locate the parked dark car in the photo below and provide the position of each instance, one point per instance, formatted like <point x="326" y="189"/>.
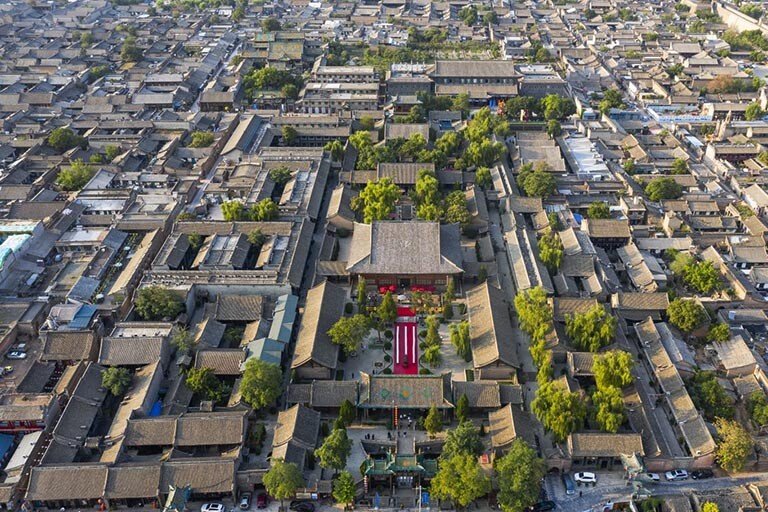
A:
<point x="261" y="500"/>
<point x="702" y="474"/>
<point x="543" y="506"/>
<point x="302" y="506"/>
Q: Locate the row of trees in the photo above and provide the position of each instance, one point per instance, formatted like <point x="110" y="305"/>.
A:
<point x="263" y="211"/>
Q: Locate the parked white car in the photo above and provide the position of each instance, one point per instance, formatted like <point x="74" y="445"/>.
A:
<point x="585" y="478"/>
<point x="676" y="474"/>
<point x="654" y="477"/>
<point x="213" y="507"/>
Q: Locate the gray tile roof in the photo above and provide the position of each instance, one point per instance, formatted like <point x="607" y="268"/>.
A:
<point x="324" y="306"/>
<point x="490" y="327"/>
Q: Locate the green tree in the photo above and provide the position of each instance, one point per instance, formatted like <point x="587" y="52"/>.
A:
<point x="344" y="489"/>
<point x="719" y="332"/>
<point x="115" y="380"/>
<point x="347" y="413"/>
<point x="263" y="211"/>
<point x="554" y="129"/>
<point x="86" y="39"/>
<point x="282" y="480"/>
<point x="461" y="340"/>
<point x="519" y="473"/>
<point x="663" y="188"/>
<point x="557" y="107"/>
<point x="433" y="423"/>
<point x="256" y="238"/>
<point x="462" y="440"/>
<point x="112" y="152"/>
<point x="349" y="332"/>
<point x="183" y="340"/>
<point x="551" y="251"/>
<point x="613" y="369"/>
<point x="270" y="24"/>
<point x="75" y="176"/>
<point x="290" y="91"/>
<point x="387" y="309"/>
<point x="336" y="149"/>
<point x="280" y="175"/>
<point x="680" y="166"/>
<point x="591" y="330"/>
<point x="335" y="450"/>
<point x="483" y="177"/>
<point x="559" y="410"/>
<point x="461" y="480"/>
<point x="629" y="166"/>
<point x="290" y="135"/>
<point x="377" y="200"/>
<point x="535" y="313"/>
<point x="703" y="277"/>
<point x="686" y="314"/>
<point x="156" y="302"/>
<point x="598" y="210"/>
<point x="238" y="13"/>
<point x="233" y="210"/>
<point x="609" y="408"/>
<point x="462" y="408"/>
<point x="203" y="382"/>
<point x="261" y="384"/>
<point x="734" y="447"/>
<point x="201" y="139"/>
<point x="536" y="183"/>
<point x="129" y="51"/>
<point x="362" y="295"/>
<point x="708" y="506"/>
<point x="709" y="396"/>
<point x="433" y="336"/>
<point x="468" y="15"/>
<point x="63" y="139"/>
<point x="432" y="355"/>
<point x="456" y="211"/>
<point x="490" y="18"/>
<point x="757" y="405"/>
<point x="611" y="99"/>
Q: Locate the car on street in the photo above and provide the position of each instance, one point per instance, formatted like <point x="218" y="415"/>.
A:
<point x="585" y="478"/>
<point x="654" y="477"/>
<point x="245" y="501"/>
<point x="302" y="506"/>
<point x="570" y="488"/>
<point x="213" y="507"/>
<point x="702" y="474"/>
<point x="15" y="354"/>
<point x="676" y="474"/>
<point x="543" y="506"/>
<point x="261" y="500"/>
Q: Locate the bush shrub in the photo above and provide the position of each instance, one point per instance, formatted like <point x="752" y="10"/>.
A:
<point x="387" y="358"/>
<point x="388" y="345"/>
<point x="423" y="333"/>
<point x="422" y="346"/>
<point x="388" y="334"/>
<point x="348" y="308"/>
<point x="424" y="371"/>
<point x="387" y="371"/>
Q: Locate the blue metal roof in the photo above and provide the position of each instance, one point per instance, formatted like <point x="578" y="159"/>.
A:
<point x="83" y="317"/>
<point x="6" y="441"/>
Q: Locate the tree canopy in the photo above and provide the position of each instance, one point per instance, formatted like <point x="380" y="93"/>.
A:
<point x="613" y="369"/>
<point x="599" y="210"/>
<point x="282" y="480"/>
<point x="116" y="380"/>
<point x="433" y="423"/>
<point x="344" y="488"/>
<point x="201" y="139"/>
<point x="203" y="382"/>
<point x="377" y="200"/>
<point x="591" y="330"/>
<point x="156" y="302"/>
<point x="63" y="139"/>
<point x="609" y="408"/>
<point x="335" y="450"/>
<point x="461" y="480"/>
<point x="349" y="332"/>
<point x="75" y="176"/>
<point x="734" y="447"/>
<point x="536" y="182"/>
<point x="551" y="251"/>
<point x="663" y="188"/>
<point x="261" y="384"/>
<point x="709" y="396"/>
<point x="519" y="474"/>
<point x="464" y="439"/>
<point x="686" y="314"/>
<point x="559" y="410"/>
